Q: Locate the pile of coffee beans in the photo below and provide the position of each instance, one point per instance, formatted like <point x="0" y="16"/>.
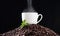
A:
<point x="30" y="30"/>
<point x="37" y="30"/>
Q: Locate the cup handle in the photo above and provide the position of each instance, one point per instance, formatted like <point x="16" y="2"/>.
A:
<point x="40" y="18"/>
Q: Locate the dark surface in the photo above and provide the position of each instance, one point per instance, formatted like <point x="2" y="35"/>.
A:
<point x="10" y="14"/>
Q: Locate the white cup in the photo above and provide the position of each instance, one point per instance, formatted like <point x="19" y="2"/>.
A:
<point x="31" y="17"/>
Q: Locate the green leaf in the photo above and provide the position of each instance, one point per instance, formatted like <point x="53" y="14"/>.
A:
<point x="24" y="23"/>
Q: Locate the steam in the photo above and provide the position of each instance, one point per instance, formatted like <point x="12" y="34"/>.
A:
<point x="30" y="8"/>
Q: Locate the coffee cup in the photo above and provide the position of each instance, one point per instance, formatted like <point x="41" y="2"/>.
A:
<point x="31" y="17"/>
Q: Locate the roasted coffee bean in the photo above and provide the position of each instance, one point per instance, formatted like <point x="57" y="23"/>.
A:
<point x="31" y="30"/>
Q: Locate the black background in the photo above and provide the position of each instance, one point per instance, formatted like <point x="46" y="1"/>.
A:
<point x="11" y="14"/>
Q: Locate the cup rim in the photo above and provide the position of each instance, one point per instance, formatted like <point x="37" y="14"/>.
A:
<point x="29" y="12"/>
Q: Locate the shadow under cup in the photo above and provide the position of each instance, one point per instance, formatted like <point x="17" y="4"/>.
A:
<point x="31" y="17"/>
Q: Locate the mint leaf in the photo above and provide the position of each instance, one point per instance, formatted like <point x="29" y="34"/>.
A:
<point x="24" y="23"/>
